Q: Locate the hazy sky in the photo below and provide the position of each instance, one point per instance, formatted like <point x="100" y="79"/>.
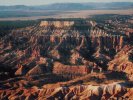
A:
<point x="41" y="2"/>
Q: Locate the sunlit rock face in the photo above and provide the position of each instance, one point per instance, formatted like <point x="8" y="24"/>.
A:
<point x="59" y="68"/>
<point x="89" y="92"/>
<point x="57" y="24"/>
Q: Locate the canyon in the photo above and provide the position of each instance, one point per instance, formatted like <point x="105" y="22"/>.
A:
<point x="66" y="60"/>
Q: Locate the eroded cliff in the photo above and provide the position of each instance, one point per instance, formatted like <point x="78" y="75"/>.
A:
<point x="61" y="51"/>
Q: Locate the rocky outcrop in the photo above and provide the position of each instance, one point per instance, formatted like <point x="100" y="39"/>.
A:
<point x="109" y="44"/>
<point x="20" y="71"/>
<point x="37" y="70"/>
<point x="89" y="92"/>
<point x="57" y="24"/>
<point x="123" y="61"/>
<point x="59" y="68"/>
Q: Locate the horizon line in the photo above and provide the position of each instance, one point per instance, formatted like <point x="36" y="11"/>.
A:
<point x="65" y="3"/>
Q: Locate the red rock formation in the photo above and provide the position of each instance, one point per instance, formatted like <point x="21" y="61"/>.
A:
<point x="40" y="55"/>
<point x="59" y="68"/>
<point x="57" y="24"/>
<point x="89" y="92"/>
<point x="37" y="70"/>
<point x="121" y="62"/>
<point x="20" y="70"/>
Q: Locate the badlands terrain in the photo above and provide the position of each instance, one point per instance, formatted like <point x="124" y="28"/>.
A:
<point x="68" y="59"/>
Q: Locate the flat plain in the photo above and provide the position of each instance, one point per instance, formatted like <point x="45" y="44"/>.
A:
<point x="66" y="14"/>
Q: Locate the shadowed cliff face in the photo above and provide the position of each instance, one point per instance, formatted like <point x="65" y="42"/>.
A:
<point x="61" y="51"/>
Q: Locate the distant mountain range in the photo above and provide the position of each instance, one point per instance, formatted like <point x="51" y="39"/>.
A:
<point x="72" y="6"/>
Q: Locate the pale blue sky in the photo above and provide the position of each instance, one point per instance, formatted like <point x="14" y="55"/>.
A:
<point x="42" y="2"/>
